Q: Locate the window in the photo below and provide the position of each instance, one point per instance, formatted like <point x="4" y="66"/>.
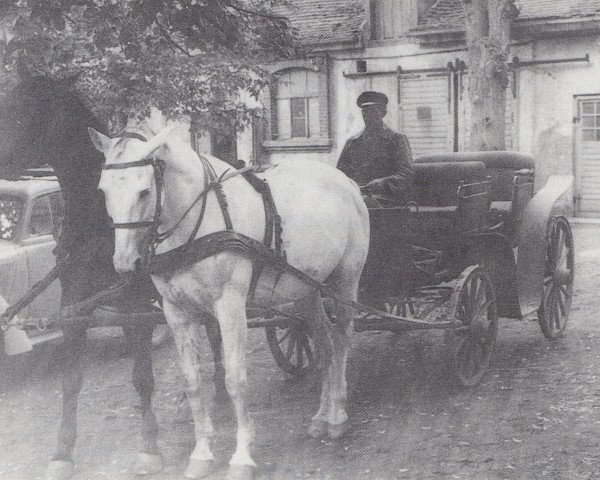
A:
<point x="297" y="105"/>
<point x="391" y="19"/>
<point x="590" y="120"/>
<point x="40" y="222"/>
<point x="57" y="206"/>
<point x="10" y="216"/>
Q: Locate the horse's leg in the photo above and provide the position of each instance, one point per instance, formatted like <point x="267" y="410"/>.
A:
<point x="61" y="466"/>
<point x="230" y="310"/>
<point x="139" y="336"/>
<point x="342" y="340"/>
<point x="213" y="332"/>
<point x="332" y="409"/>
<point x="186" y="334"/>
<point x="311" y="309"/>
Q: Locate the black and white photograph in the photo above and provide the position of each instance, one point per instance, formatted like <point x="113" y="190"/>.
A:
<point x="299" y="239"/>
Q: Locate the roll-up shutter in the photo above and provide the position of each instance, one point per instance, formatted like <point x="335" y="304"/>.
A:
<point x="424" y="112"/>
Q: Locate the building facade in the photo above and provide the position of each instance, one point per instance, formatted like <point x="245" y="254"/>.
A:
<point x="414" y="51"/>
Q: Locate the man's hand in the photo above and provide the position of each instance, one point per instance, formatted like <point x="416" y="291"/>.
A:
<point x="374" y="186"/>
<point x="365" y="189"/>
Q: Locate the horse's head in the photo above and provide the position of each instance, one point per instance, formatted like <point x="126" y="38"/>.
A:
<point x="27" y="113"/>
<point x="129" y="184"/>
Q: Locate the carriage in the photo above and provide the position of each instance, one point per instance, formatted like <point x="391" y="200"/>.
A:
<point x="475" y="243"/>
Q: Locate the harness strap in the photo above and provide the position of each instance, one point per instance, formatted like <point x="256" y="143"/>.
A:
<point x="203" y="207"/>
<point x="120" y="166"/>
<point x="223" y="241"/>
<point x="224" y="205"/>
<point x="262" y="187"/>
<point x="273" y="228"/>
<point x="215" y="182"/>
<point x="218" y="242"/>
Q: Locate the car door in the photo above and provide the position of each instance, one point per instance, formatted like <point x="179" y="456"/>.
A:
<point x="14" y="274"/>
<point x="39" y="243"/>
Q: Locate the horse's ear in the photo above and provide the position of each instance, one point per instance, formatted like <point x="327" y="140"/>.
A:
<point x="156" y="142"/>
<point x="100" y="141"/>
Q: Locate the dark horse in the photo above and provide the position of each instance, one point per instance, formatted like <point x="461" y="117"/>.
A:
<point x="44" y="122"/>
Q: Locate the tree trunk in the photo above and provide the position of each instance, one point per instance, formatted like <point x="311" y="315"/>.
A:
<point x="488" y="24"/>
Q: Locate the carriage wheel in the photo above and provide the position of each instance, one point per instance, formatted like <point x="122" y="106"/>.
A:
<point x="292" y="347"/>
<point x="470" y="345"/>
<point x="553" y="313"/>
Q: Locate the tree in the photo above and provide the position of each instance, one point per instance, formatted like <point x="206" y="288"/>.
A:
<point x="189" y="57"/>
<point x="488" y="27"/>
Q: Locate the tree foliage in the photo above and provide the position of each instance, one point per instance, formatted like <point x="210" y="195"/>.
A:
<point x="189" y="57"/>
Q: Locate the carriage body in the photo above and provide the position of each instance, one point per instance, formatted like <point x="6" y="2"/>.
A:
<point x="468" y="208"/>
<point x="475" y="243"/>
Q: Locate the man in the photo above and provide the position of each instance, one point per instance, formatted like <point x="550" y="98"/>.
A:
<point x="378" y="159"/>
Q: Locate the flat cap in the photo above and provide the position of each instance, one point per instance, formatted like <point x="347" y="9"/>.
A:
<point x="371" y="98"/>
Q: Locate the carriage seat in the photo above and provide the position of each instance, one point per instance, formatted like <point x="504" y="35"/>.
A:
<point x="511" y="175"/>
<point x="501" y="167"/>
<point x="435" y="185"/>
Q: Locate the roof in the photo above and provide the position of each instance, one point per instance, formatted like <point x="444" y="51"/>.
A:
<point x="449" y="15"/>
<point x="319" y="22"/>
<point x="28" y="187"/>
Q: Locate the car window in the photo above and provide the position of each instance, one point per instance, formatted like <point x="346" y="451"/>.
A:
<point x="57" y="205"/>
<point x="40" y="222"/>
<point x="11" y="211"/>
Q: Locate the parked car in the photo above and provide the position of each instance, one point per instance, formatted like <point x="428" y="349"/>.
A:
<point x="31" y="214"/>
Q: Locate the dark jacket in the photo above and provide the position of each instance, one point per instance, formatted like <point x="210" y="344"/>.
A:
<point x="383" y="158"/>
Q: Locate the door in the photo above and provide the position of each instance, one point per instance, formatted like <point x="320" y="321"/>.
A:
<point x="587" y="159"/>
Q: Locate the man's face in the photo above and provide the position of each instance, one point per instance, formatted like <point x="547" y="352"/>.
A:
<point x="373" y="114"/>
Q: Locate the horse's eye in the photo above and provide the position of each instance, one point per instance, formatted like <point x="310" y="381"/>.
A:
<point x="144" y="193"/>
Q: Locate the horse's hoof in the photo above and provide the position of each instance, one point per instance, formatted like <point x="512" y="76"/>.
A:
<point x="148" y="464"/>
<point x="240" y="472"/>
<point x="200" y="468"/>
<point x="59" y="470"/>
<point x="317" y="428"/>
<point x="337" y="431"/>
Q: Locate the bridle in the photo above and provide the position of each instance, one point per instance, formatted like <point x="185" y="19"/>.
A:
<point x="212" y="181"/>
<point x="158" y="166"/>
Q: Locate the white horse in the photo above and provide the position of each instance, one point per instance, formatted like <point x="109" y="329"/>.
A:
<point x="325" y="235"/>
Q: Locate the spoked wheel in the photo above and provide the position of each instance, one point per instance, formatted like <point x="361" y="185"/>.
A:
<point x="292" y="347"/>
<point x="470" y="345"/>
<point x="553" y="313"/>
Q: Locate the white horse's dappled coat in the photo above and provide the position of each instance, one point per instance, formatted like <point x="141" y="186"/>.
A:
<point x="325" y="234"/>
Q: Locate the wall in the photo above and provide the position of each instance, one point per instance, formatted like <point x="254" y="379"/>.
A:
<point x="546" y="100"/>
<point x="348" y="118"/>
<point x="545" y="97"/>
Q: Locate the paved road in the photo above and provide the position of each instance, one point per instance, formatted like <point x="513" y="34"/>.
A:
<point x="536" y="414"/>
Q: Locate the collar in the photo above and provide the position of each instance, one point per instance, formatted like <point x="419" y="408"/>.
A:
<point x="386" y="132"/>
